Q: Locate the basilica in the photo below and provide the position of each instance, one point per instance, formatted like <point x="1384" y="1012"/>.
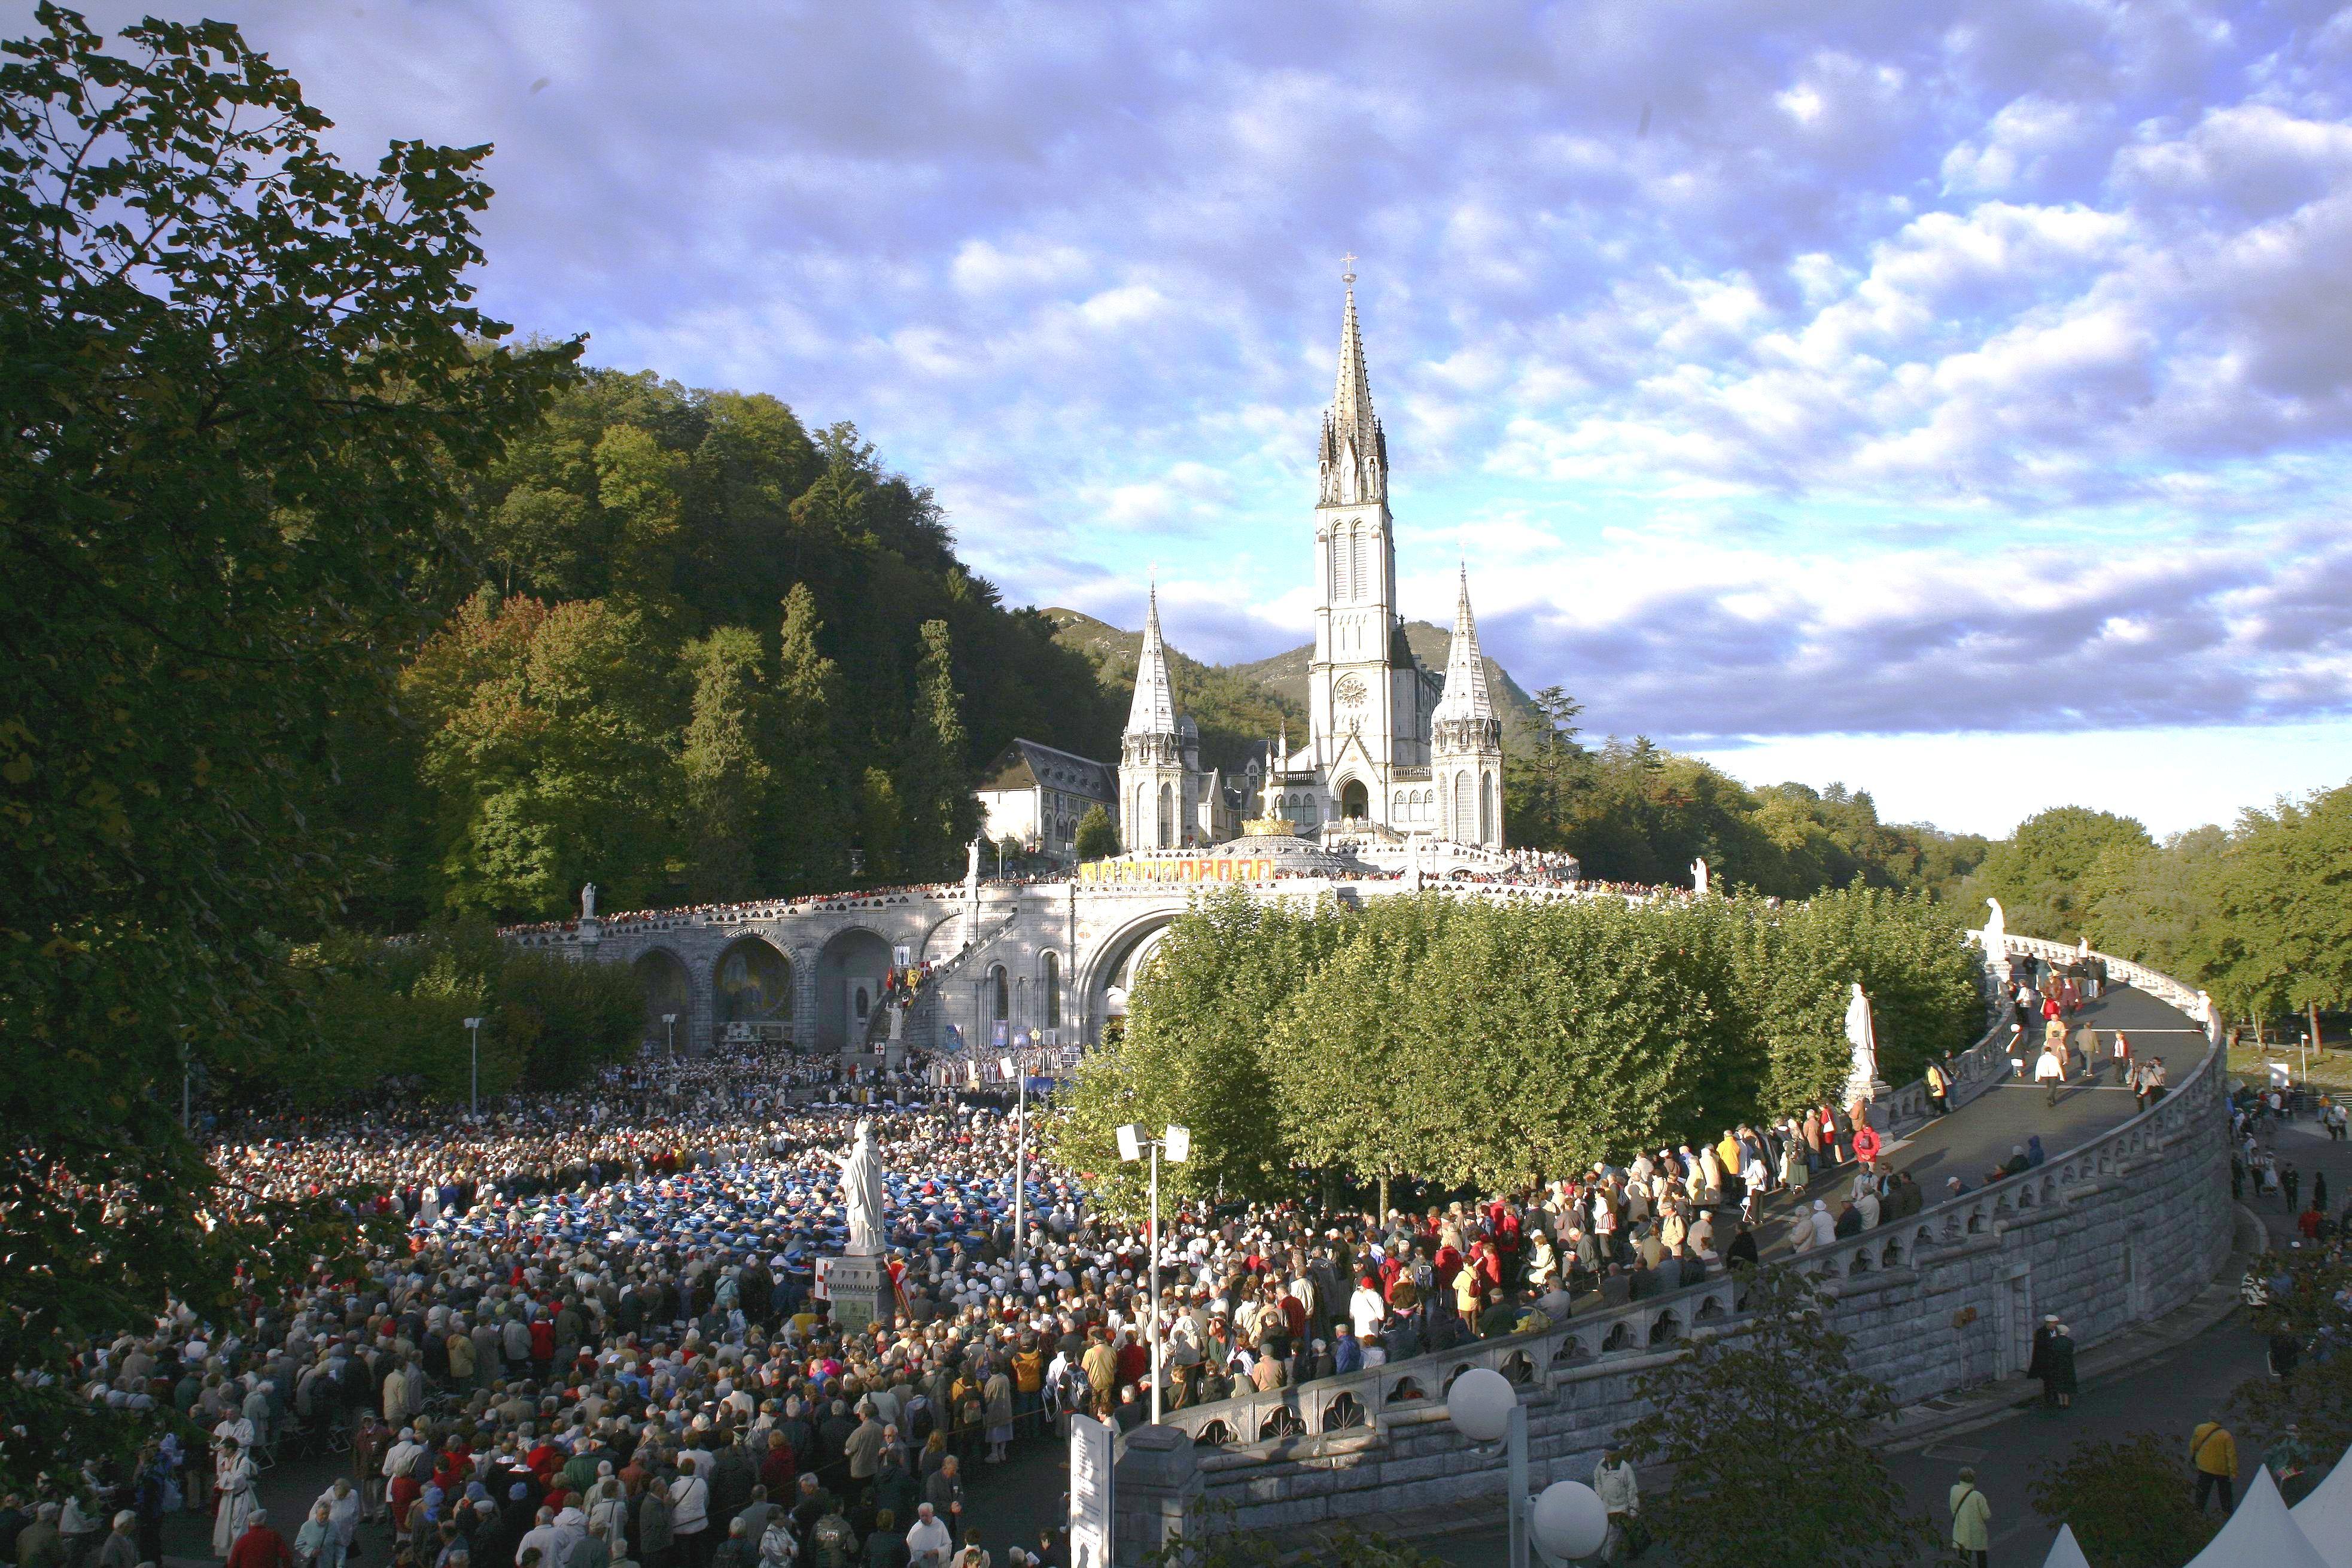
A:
<point x="1392" y="753"/>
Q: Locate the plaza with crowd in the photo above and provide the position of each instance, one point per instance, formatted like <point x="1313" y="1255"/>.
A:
<point x="600" y="1337"/>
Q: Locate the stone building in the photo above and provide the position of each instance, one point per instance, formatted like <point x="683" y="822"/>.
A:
<point x="1392" y="750"/>
<point x="1036" y="795"/>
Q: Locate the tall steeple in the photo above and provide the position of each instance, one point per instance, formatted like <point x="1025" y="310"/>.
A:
<point x="1153" y="712"/>
<point x="1465" y="699"/>
<point x="1354" y="459"/>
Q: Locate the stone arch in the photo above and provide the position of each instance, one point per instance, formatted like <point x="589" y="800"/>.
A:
<point x="1342" y="1412"/>
<point x="752" y="983"/>
<point x="1281" y="1421"/>
<point x="998" y="993"/>
<point x="1114" y="963"/>
<point x="1355" y="801"/>
<point x="668" y="987"/>
<point x="1520" y="1367"/>
<point x="1403" y="1391"/>
<point x="1466" y="809"/>
<point x="1486" y="807"/>
<point x="944" y="939"/>
<point x="850" y="969"/>
<point x="1213" y="1435"/>
<point x="1664" y="1328"/>
<point x="1167" y="839"/>
<point x="1619" y="1337"/>
<point x="1049" y="991"/>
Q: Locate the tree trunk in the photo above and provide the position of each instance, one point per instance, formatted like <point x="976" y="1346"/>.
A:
<point x="2319" y="1050"/>
<point x="1383" y="1213"/>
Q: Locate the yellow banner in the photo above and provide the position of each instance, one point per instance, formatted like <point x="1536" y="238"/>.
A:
<point x="1203" y="869"/>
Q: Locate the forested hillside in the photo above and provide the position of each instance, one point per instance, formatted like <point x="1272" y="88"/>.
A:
<point x="693" y="650"/>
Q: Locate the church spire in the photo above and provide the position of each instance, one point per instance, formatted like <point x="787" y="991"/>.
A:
<point x="1354" y="456"/>
<point x="1466" y="697"/>
<point x="1154" y="709"/>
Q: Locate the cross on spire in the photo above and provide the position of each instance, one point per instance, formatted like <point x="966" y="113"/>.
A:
<point x="1347" y="265"/>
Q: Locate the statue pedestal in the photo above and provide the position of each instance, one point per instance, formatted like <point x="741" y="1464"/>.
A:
<point x="858" y="1285"/>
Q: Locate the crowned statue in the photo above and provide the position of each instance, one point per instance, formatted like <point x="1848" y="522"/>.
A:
<point x="861" y="1192"/>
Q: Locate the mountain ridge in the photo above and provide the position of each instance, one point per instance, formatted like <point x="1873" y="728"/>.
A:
<point x="1282" y="677"/>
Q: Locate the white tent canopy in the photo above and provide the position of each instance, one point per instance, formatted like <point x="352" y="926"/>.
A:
<point x="2064" y="1552"/>
<point x="2261" y="1534"/>
<point x="2326" y="1516"/>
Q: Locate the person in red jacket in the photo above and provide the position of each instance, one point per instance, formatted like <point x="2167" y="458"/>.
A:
<point x="1866" y="1144"/>
<point x="260" y="1546"/>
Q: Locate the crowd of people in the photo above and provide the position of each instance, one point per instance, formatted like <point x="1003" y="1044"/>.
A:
<point x="603" y="1319"/>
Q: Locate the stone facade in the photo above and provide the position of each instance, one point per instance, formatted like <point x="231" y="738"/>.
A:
<point x="2123" y="1229"/>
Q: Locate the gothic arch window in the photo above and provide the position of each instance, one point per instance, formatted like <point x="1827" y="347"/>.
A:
<point x="1167" y="817"/>
<point x="1053" y="990"/>
<point x="1000" y="996"/>
<point x="1356" y="548"/>
<point x="1465" y="808"/>
<point x="1336" y="547"/>
<point x="1487" y="809"/>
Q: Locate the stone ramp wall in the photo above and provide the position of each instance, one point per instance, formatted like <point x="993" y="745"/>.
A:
<point x="2123" y="1229"/>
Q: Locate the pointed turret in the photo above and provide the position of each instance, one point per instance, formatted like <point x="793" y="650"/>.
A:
<point x="1354" y="456"/>
<point x="1465" y="695"/>
<point x="1153" y="711"/>
<point x="1465" y="740"/>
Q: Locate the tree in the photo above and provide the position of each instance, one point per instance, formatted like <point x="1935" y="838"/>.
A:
<point x="1193" y="1052"/>
<point x="812" y="827"/>
<point x="2042" y="872"/>
<point x="1768" y="1422"/>
<point x="241" y="384"/>
<point x="728" y="783"/>
<point x="2318" y="1397"/>
<point x="941" y="813"/>
<point x="549" y="754"/>
<point x="1098" y="835"/>
<point x="2126" y="1501"/>
<point x="2282" y="898"/>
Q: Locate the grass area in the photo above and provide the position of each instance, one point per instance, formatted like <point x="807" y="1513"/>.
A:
<point x="2333" y="1072"/>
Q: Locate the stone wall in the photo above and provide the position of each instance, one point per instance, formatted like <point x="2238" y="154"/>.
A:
<point x="2125" y="1228"/>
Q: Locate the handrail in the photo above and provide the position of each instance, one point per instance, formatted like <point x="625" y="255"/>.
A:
<point x="1543" y="1357"/>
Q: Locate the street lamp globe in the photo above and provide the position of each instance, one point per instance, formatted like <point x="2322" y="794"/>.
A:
<point x="1570" y="1520"/>
<point x="1480" y="1403"/>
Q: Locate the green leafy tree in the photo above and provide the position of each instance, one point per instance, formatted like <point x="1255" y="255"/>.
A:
<point x="728" y="783"/>
<point x="549" y="753"/>
<point x="240" y="381"/>
<point x="2283" y="909"/>
<point x="2043" y="872"/>
<point x="941" y="813"/>
<point x="1098" y="835"/>
<point x="2128" y="1502"/>
<point x="1193" y="1052"/>
<point x="566" y="1019"/>
<point x="1768" y="1422"/>
<point x="806" y="846"/>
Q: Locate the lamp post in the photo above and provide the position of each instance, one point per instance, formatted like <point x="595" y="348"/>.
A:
<point x="1133" y="1145"/>
<point x="1568" y="1520"/>
<point x="669" y="1020"/>
<point x="1018" y="1065"/>
<point x="473" y="1028"/>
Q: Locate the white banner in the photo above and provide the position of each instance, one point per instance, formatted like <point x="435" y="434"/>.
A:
<point x="1092" y="1525"/>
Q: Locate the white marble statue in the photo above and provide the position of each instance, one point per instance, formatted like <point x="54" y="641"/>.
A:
<point x="972" y="863"/>
<point x="588" y="901"/>
<point x="861" y="1192"/>
<point x="1994" y="937"/>
<point x="1699" y="877"/>
<point x="1861" y="1034"/>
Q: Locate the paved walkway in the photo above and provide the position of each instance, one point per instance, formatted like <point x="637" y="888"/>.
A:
<point x="1975" y="1139"/>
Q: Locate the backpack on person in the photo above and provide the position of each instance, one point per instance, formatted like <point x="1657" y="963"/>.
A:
<point x="833" y="1543"/>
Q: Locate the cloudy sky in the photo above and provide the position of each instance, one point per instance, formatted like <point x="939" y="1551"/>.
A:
<point x="1951" y="398"/>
